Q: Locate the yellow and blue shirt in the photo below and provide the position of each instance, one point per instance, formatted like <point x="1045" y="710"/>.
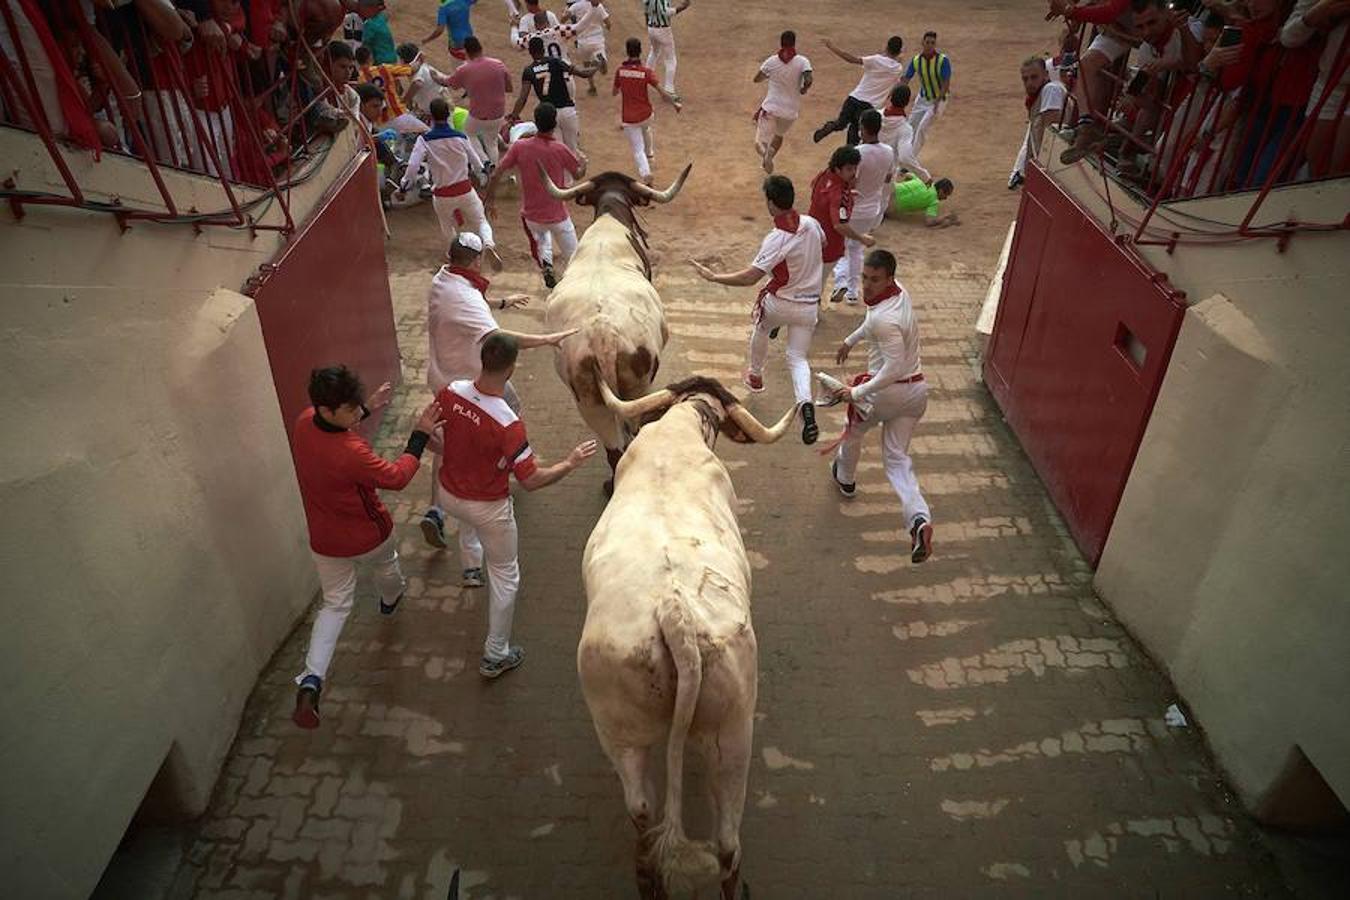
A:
<point x="932" y="72"/>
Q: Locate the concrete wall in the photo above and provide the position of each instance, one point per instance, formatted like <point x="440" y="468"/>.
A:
<point x="1228" y="555"/>
<point x="153" y="542"/>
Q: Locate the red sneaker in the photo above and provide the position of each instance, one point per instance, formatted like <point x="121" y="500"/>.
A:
<point x="754" y="382"/>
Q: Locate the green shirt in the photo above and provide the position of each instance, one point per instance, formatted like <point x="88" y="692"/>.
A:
<point x="915" y="196"/>
<point x="376" y="35"/>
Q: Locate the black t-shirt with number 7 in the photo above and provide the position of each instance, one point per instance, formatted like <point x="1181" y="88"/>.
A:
<point x="550" y="79"/>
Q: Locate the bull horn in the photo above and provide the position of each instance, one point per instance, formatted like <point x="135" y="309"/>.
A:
<point x="634" y="409"/>
<point x="754" y="429"/>
<point x="669" y="193"/>
<point x="568" y="193"/>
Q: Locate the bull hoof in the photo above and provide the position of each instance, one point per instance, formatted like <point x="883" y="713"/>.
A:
<point x="609" y="487"/>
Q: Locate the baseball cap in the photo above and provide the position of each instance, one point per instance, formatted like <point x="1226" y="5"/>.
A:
<point x="470" y="240"/>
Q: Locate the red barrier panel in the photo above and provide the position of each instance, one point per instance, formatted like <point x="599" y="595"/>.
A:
<point x="327" y="300"/>
<point x="1084" y="333"/>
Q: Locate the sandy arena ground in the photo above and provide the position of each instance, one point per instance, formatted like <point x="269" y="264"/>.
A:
<point x="977" y="726"/>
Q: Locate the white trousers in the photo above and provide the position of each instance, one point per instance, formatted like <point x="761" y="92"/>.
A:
<point x="848" y="268"/>
<point x="896" y="409"/>
<point x="921" y="117"/>
<point x="485" y="132"/>
<point x="799" y="319"/>
<point x="470" y="207"/>
<point x="569" y="128"/>
<point x="543" y="237"/>
<point x="593" y="50"/>
<point x="1020" y="166"/>
<point x="662" y="49"/>
<point x="487" y="539"/>
<point x="769" y="127"/>
<point x="639" y="136"/>
<point x="337" y="578"/>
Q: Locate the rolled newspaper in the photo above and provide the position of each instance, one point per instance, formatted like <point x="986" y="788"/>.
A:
<point x="832" y="384"/>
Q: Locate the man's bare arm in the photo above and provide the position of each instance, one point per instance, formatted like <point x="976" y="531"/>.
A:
<point x="842" y="54"/>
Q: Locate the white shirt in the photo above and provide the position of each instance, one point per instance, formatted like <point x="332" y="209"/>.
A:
<point x="590" y="32"/>
<point x="874" y="179"/>
<point x="554" y="35"/>
<point x="458" y="321"/>
<point x="899" y="135"/>
<point x="1171" y="52"/>
<point x="784" y="99"/>
<point x="422" y="88"/>
<point x="802" y="274"/>
<point x="892" y="334"/>
<point x="1051" y="98"/>
<point x="449" y="160"/>
<point x="880" y="75"/>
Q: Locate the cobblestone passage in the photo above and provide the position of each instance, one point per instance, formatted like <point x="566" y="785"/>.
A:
<point x="974" y="726"/>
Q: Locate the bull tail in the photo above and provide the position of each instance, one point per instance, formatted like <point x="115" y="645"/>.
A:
<point x="685" y="865"/>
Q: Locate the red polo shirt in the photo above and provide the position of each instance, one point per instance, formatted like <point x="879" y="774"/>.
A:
<point x="831" y="203"/>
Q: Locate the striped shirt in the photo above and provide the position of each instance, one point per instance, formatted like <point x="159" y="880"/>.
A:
<point x="659" y="13"/>
<point x="932" y="72"/>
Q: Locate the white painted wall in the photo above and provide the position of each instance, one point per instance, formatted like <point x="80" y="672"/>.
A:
<point x="1230" y="554"/>
<point x="153" y="542"/>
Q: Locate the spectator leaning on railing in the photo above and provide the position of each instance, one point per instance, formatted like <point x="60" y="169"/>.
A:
<point x="1092" y="89"/>
<point x="1329" y="143"/>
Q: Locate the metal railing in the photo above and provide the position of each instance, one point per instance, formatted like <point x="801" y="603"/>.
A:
<point x="241" y="120"/>
<point x="1210" y="139"/>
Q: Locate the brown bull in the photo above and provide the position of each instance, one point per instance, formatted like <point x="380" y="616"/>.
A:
<point x="607" y="294"/>
<point x="668" y="653"/>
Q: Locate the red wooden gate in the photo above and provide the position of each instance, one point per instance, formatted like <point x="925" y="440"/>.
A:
<point x="1084" y="333"/>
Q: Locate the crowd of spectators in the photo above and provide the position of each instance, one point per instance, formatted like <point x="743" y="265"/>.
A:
<point x="1192" y="97"/>
<point x="235" y="88"/>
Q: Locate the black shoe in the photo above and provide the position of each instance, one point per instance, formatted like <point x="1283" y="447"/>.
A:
<point x="823" y="132"/>
<point x="773" y="333"/>
<point x="1016" y="181"/>
<point x="846" y="489"/>
<point x="550" y="280"/>
<point x="387" y="609"/>
<point x="921" y="540"/>
<point x="809" y="430"/>
<point x="839" y="294"/>
<point x="306" y="714"/>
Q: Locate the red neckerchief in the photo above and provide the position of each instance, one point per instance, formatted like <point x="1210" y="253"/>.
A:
<point x="474" y="278"/>
<point x="892" y="290"/>
<point x="894" y="111"/>
<point x="1031" y="98"/>
<point x="786" y="54"/>
<point x="787" y="221"/>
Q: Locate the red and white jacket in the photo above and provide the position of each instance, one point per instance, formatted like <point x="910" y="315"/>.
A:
<point x="485" y="444"/>
<point x="339" y="475"/>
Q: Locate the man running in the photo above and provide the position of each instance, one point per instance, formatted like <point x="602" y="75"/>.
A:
<point x="453" y="15"/>
<point x="832" y="201"/>
<point x="590" y="41"/>
<point x="661" y="37"/>
<point x="544" y="216"/>
<point x="349" y="526"/>
<point x="791" y="299"/>
<point x="898" y="134"/>
<point x="490" y="446"/>
<point x="487" y="83"/>
<point x="881" y="72"/>
<point x="555" y="34"/>
<point x="549" y="78"/>
<point x="789" y="76"/>
<point x="631" y="81"/>
<point x="459" y="320"/>
<point x="892" y="395"/>
<point x="1045" y="104"/>
<point x="935" y="83"/>
<point x="451" y="159"/>
<point x="872" y="193"/>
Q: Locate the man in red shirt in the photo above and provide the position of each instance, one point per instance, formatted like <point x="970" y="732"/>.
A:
<point x="348" y="525"/>
<point x="544" y="216"/>
<point x="489" y="446"/>
<point x="631" y="81"/>
<point x="832" y="203"/>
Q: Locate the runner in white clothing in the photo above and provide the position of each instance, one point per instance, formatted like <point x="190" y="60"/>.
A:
<point x="1045" y="105"/>
<point x="789" y="76"/>
<point x="872" y="187"/>
<point x="892" y="394"/>
<point x="459" y="320"/>
<point x="791" y="299"/>
<point x="881" y="72"/>
<point x="898" y="134"/>
<point x="452" y="159"/>
<point x="590" y="35"/>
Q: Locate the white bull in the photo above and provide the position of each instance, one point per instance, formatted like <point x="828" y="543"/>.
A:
<point x="607" y="294"/>
<point x="668" y="651"/>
